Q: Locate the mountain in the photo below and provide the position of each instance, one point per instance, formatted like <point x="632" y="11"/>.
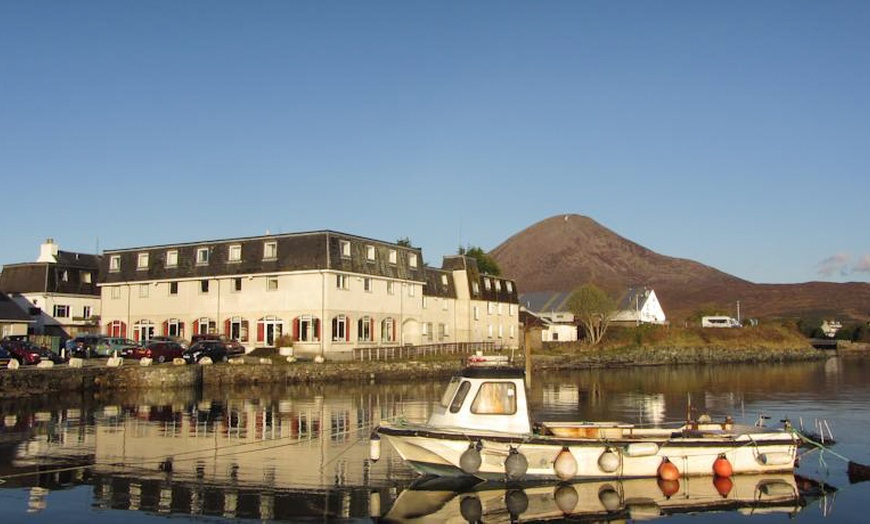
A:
<point x="566" y="251"/>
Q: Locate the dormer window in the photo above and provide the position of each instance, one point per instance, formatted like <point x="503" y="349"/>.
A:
<point x="172" y="258"/>
<point x="444" y="280"/>
<point x="370" y="253"/>
<point x="115" y="263"/>
<point x="202" y="256"/>
<point x="235" y="253"/>
<point x="486" y="284"/>
<point x="394" y="256"/>
<point x="345" y="248"/>
<point x="412" y="260"/>
<point x="509" y="285"/>
<point x="475" y="288"/>
<point x="270" y="250"/>
<point x="142" y="261"/>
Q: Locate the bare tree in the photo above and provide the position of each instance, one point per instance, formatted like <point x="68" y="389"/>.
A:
<point x="593" y="309"/>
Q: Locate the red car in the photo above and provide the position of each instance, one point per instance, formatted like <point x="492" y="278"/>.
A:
<point x="160" y="351"/>
<point x="23" y="351"/>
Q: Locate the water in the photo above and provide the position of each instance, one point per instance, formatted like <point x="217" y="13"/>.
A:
<point x="300" y="452"/>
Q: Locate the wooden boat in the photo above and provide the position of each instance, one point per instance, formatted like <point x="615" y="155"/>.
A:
<point x="441" y="499"/>
<point x="482" y="428"/>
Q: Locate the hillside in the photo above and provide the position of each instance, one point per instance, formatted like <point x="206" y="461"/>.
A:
<point x="565" y="251"/>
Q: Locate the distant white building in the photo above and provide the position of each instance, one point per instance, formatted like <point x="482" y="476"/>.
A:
<point x="550" y="307"/>
<point x="640" y="306"/>
<point x="830" y="328"/>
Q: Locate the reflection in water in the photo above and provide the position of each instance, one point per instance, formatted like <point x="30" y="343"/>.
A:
<point x="291" y="452"/>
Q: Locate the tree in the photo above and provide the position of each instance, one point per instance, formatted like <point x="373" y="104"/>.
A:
<point x="593" y="309"/>
<point x="485" y="263"/>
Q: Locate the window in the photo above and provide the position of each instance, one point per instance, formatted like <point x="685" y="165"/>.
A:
<point x="370" y="253"/>
<point x="500" y="308"/>
<point x="309" y="329"/>
<point x="487" y="285"/>
<point x="495" y="398"/>
<point x="444" y="303"/>
<point x="172" y="258"/>
<point x="512" y="309"/>
<point x="509" y="286"/>
<point x="235" y="253"/>
<point x="87" y="277"/>
<point x="489" y="331"/>
<point x="444" y="280"/>
<point x="238" y="329"/>
<point x="412" y="290"/>
<point x="425" y="302"/>
<point x="367" y="284"/>
<point x="272" y="284"/>
<point x="174" y="328"/>
<point x="143" y="330"/>
<point x="412" y="260"/>
<point x="142" y="261"/>
<point x="442" y="331"/>
<point x="498" y="285"/>
<point x="204" y="326"/>
<point x="173" y="288"/>
<point x="500" y="331"/>
<point x="143" y="290"/>
<point x="460" y="396"/>
<point x="342" y="282"/>
<point x="490" y="308"/>
<point x="61" y="311"/>
<point x="270" y="250"/>
<point x="393" y="256"/>
<point x="115" y="292"/>
<point x="364" y="328"/>
<point x="388" y="330"/>
<point x="511" y="331"/>
<point x="339" y="328"/>
<point x="117" y="329"/>
<point x="86" y="312"/>
<point x="202" y="256"/>
<point x="476" y="312"/>
<point x="345" y="248"/>
<point x="64" y="276"/>
<point x="452" y="386"/>
<point x="427" y="331"/>
<point x="475" y="288"/>
<point x="203" y="286"/>
<point x="391" y="288"/>
<point x="115" y="263"/>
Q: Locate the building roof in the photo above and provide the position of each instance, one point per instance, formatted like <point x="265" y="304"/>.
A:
<point x="545" y="301"/>
<point x="634" y="299"/>
<point x="10" y="311"/>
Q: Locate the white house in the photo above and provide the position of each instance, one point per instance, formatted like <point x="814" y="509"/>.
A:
<point x="640" y="306"/>
<point x="550" y="307"/>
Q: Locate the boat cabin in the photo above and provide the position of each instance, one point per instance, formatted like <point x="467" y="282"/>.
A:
<point x="484" y="397"/>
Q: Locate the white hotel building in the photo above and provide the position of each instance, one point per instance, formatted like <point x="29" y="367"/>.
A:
<point x="332" y="292"/>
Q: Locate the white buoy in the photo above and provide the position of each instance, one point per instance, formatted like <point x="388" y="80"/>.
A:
<point x="566" y="498"/>
<point x="375" y="447"/>
<point x="608" y="461"/>
<point x="470" y="459"/>
<point x="565" y="464"/>
<point x="516" y="465"/>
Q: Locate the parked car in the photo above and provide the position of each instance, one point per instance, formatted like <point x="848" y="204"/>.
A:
<point x="22" y="351"/>
<point x="122" y="345"/>
<point x="160" y="351"/>
<point x="161" y="338"/>
<point x="233" y="346"/>
<point x="47" y="354"/>
<point x="216" y="350"/>
<point x="5" y="357"/>
<point x="88" y="346"/>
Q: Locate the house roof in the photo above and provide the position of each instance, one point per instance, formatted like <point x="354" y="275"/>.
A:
<point x="10" y="311"/>
<point x="634" y="298"/>
<point x="545" y="301"/>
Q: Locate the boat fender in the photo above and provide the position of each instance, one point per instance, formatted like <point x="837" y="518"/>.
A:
<point x="565" y="464"/>
<point x="566" y="498"/>
<point x="669" y="488"/>
<point x="470" y="508"/>
<point x="642" y="449"/>
<point x="470" y="459"/>
<point x="609" y="498"/>
<point x="375" y="447"/>
<point x="775" y="488"/>
<point x="721" y="467"/>
<point x="608" y="462"/>
<point x="667" y="470"/>
<point x="375" y="504"/>
<point x="515" y="465"/>
<point x="776" y="458"/>
<point x="723" y="485"/>
<point x="644" y="510"/>
<point x="517" y="503"/>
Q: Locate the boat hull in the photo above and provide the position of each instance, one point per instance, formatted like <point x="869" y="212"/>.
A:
<point x="439" y="452"/>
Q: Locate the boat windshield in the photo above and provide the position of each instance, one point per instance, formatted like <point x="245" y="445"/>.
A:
<point x="450" y="391"/>
<point x="495" y="398"/>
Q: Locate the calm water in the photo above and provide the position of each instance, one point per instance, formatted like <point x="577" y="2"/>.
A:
<point x="300" y="453"/>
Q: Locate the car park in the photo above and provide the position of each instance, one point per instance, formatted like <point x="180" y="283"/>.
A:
<point x="159" y="351"/>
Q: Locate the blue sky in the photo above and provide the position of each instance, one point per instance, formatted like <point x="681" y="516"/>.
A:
<point x="734" y="133"/>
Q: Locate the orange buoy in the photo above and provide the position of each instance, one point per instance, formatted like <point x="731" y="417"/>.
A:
<point x="667" y="470"/>
<point x="669" y="487"/>
<point x="723" y="485"/>
<point x="722" y="468"/>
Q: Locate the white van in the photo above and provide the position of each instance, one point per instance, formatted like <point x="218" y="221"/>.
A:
<point x="720" y="322"/>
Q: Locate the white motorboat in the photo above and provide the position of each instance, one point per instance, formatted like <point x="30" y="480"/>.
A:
<point x="482" y="428"/>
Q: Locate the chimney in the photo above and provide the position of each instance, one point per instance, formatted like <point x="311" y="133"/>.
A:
<point x="48" y="251"/>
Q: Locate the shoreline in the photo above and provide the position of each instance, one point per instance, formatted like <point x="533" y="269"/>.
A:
<point x="29" y="382"/>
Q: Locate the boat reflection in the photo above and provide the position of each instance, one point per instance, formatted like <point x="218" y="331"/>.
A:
<point x="439" y="499"/>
